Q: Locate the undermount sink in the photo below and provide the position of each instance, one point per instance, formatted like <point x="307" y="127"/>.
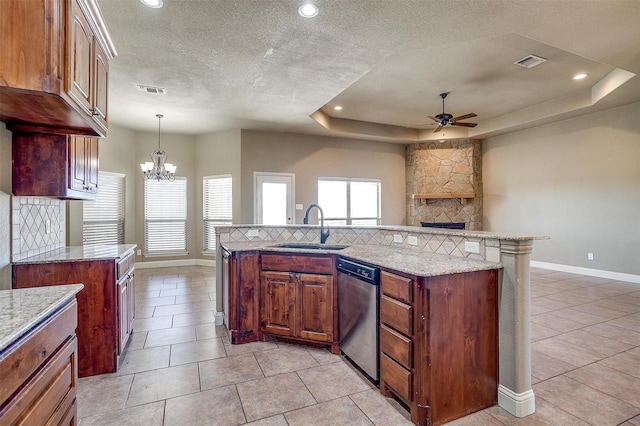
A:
<point x="309" y="246"/>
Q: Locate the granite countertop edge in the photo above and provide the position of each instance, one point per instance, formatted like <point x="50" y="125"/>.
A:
<point x="409" y="261"/>
<point x="21" y="310"/>
<point x="80" y="253"/>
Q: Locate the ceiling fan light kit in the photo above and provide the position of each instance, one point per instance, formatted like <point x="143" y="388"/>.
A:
<point x="446" y="119"/>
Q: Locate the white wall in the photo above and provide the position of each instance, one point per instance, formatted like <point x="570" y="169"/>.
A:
<point x="577" y="181"/>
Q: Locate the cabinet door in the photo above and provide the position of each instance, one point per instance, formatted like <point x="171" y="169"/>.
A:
<point x="101" y="86"/>
<point x="314" y="307"/>
<point x="226" y="282"/>
<point x="91" y="164"/>
<point x="123" y="314"/>
<point x="279" y="298"/>
<point x="77" y="163"/>
<point x="80" y="59"/>
<point x="131" y="311"/>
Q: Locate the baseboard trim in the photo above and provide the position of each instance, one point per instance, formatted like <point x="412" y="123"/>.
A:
<point x="619" y="276"/>
<point x="179" y="262"/>
<point x="219" y="318"/>
<point x="518" y="404"/>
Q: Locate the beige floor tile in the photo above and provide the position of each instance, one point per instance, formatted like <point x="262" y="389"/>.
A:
<point x="570" y="299"/>
<point x="278" y="420"/>
<point x="332" y="381"/>
<point x="207" y="305"/>
<point x="537" y="309"/>
<point x="565" y="351"/>
<point x="170" y="336"/>
<point x="158" y="286"/>
<point x="102" y="394"/>
<point x="145" y="312"/>
<point x="617" y="333"/>
<point x="553" y="305"/>
<point x="380" y="410"/>
<point x="540" y="332"/>
<point x="155" y="301"/>
<point x="584" y="402"/>
<point x="161" y="384"/>
<point x="612" y="382"/>
<point x="619" y="305"/>
<point x="136" y="340"/>
<point x="248" y="347"/>
<point x="227" y="371"/>
<point x="201" y="350"/>
<point x="555" y="322"/>
<point x="626" y="362"/>
<point x="323" y="356"/>
<point x="342" y="411"/>
<point x="147" y="324"/>
<point x="175" y="292"/>
<point x="596" y="343"/>
<point x="476" y="419"/>
<point x="210" y="331"/>
<point x="284" y="359"/>
<point x="546" y="414"/>
<point x="585" y="318"/>
<point x="193" y="298"/>
<point x="202" y="317"/>
<point x="144" y="360"/>
<point x="142" y="415"/>
<point x="216" y="407"/>
<point x="544" y="367"/>
<point x="632" y="422"/>
<point x="273" y="395"/>
<point x="147" y="294"/>
<point x="181" y="308"/>
<point x="627" y="322"/>
<point x="601" y="311"/>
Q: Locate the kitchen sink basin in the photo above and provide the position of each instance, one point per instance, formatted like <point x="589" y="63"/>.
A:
<point x="309" y="246"/>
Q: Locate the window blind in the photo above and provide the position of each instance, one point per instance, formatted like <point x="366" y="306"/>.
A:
<point x="350" y="201"/>
<point x="165" y="217"/>
<point x="216" y="206"/>
<point x="103" y="218"/>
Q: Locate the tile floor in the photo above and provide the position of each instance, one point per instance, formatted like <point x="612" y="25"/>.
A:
<point x="179" y="368"/>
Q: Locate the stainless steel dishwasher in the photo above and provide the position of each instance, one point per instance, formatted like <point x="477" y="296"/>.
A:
<point x="358" y="304"/>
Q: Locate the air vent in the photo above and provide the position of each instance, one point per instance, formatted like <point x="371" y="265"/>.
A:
<point x="530" y="61"/>
<point x="151" y="89"/>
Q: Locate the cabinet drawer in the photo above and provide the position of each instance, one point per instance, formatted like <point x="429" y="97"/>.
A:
<point x="394" y="376"/>
<point x="125" y="265"/>
<point x="39" y="346"/>
<point x="396" y="346"/>
<point x="50" y="390"/>
<point x="396" y="286"/>
<point x="396" y="314"/>
<point x="296" y="263"/>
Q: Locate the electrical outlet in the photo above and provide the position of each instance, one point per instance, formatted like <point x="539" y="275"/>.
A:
<point x="299" y="206"/>
<point x="412" y="240"/>
<point x="253" y="233"/>
<point x="589" y="256"/>
<point x="139" y="252"/>
<point x="472" y="247"/>
<point x="47" y="226"/>
<point x="397" y="238"/>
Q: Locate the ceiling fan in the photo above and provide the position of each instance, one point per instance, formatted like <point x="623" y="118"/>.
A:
<point x="445" y="119"/>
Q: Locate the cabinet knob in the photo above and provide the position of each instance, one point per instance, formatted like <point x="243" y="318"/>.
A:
<point x="43" y="354"/>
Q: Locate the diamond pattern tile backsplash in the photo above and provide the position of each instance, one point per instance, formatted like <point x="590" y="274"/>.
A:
<point x="37" y="226"/>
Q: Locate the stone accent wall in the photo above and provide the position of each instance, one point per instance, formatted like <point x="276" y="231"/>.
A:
<point x="445" y="167"/>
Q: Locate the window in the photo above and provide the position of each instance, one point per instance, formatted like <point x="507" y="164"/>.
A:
<point x="165" y="217"/>
<point x="350" y="201"/>
<point x="216" y="207"/>
<point x="103" y="219"/>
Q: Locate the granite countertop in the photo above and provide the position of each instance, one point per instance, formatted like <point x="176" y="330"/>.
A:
<point x="399" y="259"/>
<point x="23" y="309"/>
<point x="80" y="253"/>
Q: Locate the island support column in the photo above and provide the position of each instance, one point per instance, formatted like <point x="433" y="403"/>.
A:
<point x="514" y="391"/>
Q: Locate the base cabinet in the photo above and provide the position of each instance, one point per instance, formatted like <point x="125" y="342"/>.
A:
<point x="241" y="277"/>
<point x="105" y="306"/>
<point x="439" y="343"/>
<point x="39" y="374"/>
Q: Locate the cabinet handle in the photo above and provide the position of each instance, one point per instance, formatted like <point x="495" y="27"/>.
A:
<point x="43" y="354"/>
<point x="292" y="275"/>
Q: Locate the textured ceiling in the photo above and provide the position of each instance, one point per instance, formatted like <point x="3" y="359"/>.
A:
<point x="256" y="64"/>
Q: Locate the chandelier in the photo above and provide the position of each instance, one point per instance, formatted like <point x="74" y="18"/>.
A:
<point x="158" y="169"/>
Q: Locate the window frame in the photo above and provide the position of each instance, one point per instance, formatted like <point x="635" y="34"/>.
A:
<point x="102" y="224"/>
<point x="348" y="220"/>
<point x="207" y="246"/>
<point x="167" y="221"/>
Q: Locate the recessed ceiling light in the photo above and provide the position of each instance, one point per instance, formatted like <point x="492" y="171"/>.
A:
<point x="580" y="76"/>
<point x="308" y="10"/>
<point x="337" y="108"/>
<point x="156" y="4"/>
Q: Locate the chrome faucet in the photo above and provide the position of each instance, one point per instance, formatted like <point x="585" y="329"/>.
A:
<point x="323" y="234"/>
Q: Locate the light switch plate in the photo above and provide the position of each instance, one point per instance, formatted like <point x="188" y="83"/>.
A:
<point x="472" y="247"/>
<point x="299" y="207"/>
<point x="412" y="240"/>
<point x="397" y="238"/>
<point x="253" y="233"/>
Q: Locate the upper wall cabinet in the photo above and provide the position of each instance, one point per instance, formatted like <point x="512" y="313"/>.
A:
<point x="54" y="72"/>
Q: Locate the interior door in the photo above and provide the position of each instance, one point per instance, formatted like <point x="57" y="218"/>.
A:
<point x="273" y="198"/>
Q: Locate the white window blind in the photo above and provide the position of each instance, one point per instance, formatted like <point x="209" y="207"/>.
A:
<point x="103" y="219"/>
<point x="216" y="206"/>
<point x="165" y="217"/>
<point x="350" y="201"/>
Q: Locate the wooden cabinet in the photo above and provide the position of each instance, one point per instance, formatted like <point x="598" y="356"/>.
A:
<point x="105" y="305"/>
<point x="39" y="373"/>
<point x="55" y="69"/>
<point x="439" y="343"/>
<point x="241" y="281"/>
<point x="126" y="300"/>
<point x="50" y="165"/>
<point x="298" y="298"/>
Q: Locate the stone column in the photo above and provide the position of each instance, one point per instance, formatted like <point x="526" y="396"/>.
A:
<point x="514" y="391"/>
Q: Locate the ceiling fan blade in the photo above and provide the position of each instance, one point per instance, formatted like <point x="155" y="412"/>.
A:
<point x="437" y="129"/>
<point x="433" y="118"/>
<point x="465" y="124"/>
<point x="464" y="117"/>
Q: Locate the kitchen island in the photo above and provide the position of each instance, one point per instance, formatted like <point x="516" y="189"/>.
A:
<point x="510" y="252"/>
<point x="106" y="305"/>
<point x="38" y="355"/>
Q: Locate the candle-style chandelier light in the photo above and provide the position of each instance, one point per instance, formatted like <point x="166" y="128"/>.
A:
<point x="158" y="169"/>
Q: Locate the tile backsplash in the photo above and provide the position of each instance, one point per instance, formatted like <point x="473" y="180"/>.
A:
<point x="38" y="226"/>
